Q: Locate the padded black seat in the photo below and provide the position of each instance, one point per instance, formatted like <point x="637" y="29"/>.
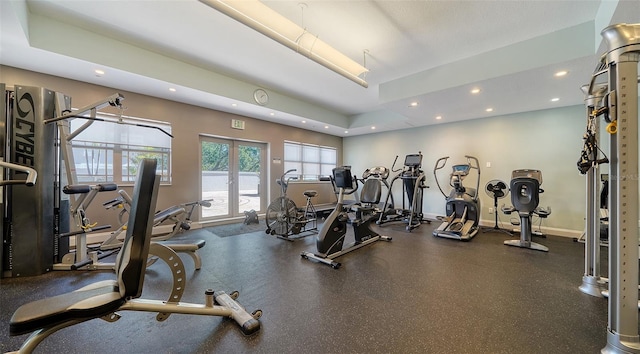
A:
<point x="310" y="193"/>
<point x="369" y="196"/>
<point x="85" y="188"/>
<point x="524" y="194"/>
<point x="76" y="189"/>
<point x="82" y="304"/>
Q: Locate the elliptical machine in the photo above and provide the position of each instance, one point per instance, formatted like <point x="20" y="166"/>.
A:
<point x="463" y="204"/>
<point x="330" y="239"/>
<point x="414" y="182"/>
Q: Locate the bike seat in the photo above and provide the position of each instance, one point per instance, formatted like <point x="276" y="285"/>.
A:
<point x="310" y="193"/>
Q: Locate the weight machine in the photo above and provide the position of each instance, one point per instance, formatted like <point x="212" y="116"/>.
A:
<point x="179" y="214"/>
<point x="414" y="182"/>
<point x="36" y="220"/>
<point x="107" y="299"/>
<point x="33" y="217"/>
<point x="613" y="94"/>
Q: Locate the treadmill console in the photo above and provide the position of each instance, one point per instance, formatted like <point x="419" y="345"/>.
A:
<point x="413" y="160"/>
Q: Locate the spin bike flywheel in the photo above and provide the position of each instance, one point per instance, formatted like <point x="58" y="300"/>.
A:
<point x="281" y="216"/>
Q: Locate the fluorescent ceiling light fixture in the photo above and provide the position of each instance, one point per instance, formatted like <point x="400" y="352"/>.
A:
<point x="413" y="104"/>
<point x="489" y="109"/>
<point x="439" y="117"/>
<point x="561" y="73"/>
<point x="475" y="90"/>
<point x="556" y="99"/>
<point x="263" y="19"/>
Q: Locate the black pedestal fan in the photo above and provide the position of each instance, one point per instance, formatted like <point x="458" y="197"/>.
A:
<point x="496" y="189"/>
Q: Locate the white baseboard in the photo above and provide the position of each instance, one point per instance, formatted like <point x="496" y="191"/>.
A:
<point x="545" y="229"/>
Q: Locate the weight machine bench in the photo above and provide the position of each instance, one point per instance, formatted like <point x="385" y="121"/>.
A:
<point x="103" y="299"/>
<point x="86" y="258"/>
<point x="180" y="215"/>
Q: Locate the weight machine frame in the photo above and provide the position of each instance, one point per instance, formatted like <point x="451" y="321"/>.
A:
<point x="617" y="100"/>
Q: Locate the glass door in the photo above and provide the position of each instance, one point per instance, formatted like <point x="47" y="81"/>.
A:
<point x="232" y="174"/>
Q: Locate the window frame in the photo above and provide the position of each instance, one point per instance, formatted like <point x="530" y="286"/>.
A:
<point x="316" y="163"/>
<point x="116" y="166"/>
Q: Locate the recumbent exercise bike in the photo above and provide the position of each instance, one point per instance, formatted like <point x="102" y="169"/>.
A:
<point x="525" y="196"/>
<point x="330" y="239"/>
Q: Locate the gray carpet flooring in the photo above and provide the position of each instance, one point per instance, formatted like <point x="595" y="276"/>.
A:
<point x="415" y="294"/>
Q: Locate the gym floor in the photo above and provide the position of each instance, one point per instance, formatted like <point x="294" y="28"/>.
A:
<point x="415" y="294"/>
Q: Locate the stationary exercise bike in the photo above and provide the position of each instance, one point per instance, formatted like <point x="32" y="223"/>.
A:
<point x="525" y="197"/>
<point x="463" y="204"/>
<point x="330" y="239"/>
<point x="283" y="217"/>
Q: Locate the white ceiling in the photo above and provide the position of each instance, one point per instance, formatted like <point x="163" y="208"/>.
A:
<point x="430" y="52"/>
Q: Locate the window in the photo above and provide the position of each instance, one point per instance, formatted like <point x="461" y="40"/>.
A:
<point x="311" y="161"/>
<point x="111" y="150"/>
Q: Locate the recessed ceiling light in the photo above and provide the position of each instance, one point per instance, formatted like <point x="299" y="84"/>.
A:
<point x="99" y="72"/>
<point x="555" y="99"/>
<point x="475" y="90"/>
<point x="346" y="132"/>
<point x="304" y="122"/>
<point x="172" y="89"/>
<point x="373" y="128"/>
<point x="272" y="114"/>
<point x="234" y="105"/>
<point x="439" y="117"/>
<point x="326" y="127"/>
<point x="413" y="104"/>
<point x="561" y="73"/>
<point x="489" y="109"/>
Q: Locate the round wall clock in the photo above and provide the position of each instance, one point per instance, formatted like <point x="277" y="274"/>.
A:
<point x="261" y="97"/>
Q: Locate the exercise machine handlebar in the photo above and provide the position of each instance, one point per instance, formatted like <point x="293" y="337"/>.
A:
<point x="477" y="168"/>
<point x="30" y="181"/>
<point x="440" y="163"/>
<point x="114" y="100"/>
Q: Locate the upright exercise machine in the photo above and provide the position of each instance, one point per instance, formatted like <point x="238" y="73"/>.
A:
<point x="330" y="239"/>
<point x="32" y="217"/>
<point x="613" y="95"/>
<point x="414" y="182"/>
<point x="462" y="204"/>
<point x="525" y="197"/>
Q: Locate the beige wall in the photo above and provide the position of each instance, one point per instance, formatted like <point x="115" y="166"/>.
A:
<point x="188" y="123"/>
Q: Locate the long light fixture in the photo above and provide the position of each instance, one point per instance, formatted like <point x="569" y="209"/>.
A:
<point x="263" y="19"/>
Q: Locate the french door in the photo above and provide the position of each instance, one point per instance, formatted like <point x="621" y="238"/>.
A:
<point x="233" y="174"/>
